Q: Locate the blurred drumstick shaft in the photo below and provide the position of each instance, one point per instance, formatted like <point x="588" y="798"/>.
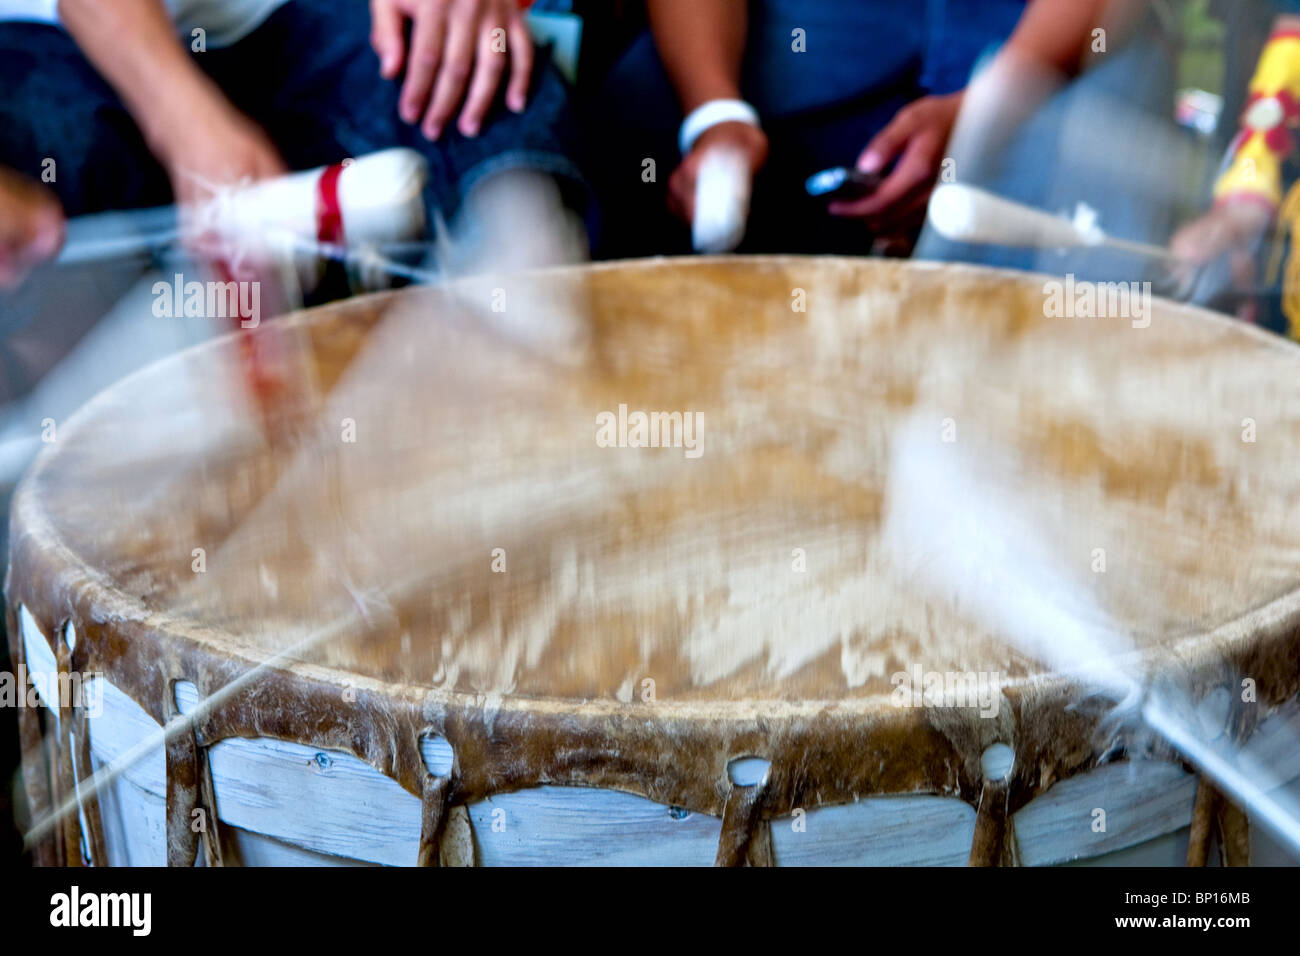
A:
<point x="953" y="525"/>
<point x="963" y="213"/>
<point x="109" y="236"/>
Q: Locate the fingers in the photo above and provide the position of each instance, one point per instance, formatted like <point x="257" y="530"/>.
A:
<point x="521" y="64"/>
<point x="681" y="189"/>
<point x="459" y="56"/>
<point x="1191" y="244"/>
<point x="35" y="232"/>
<point x="1203" y="239"/>
<point x="889" y="142"/>
<point x="386" y="37"/>
<point x="454" y="72"/>
<point x="904" y="219"/>
<point x="490" y="64"/>
<point x="427" y="37"/>
<point x="915" y="171"/>
<point x="1207" y="238"/>
<point x="51" y="231"/>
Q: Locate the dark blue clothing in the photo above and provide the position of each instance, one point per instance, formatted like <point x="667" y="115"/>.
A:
<point x="861" y="62"/>
<point x="850" y="51"/>
<point x="961" y="32"/>
<point x="307" y="75"/>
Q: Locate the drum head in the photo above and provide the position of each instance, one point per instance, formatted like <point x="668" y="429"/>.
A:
<point x="459" y="517"/>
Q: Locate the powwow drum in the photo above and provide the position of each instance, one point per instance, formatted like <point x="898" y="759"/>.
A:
<point x="474" y="600"/>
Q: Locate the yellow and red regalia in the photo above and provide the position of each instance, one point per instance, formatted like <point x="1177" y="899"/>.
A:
<point x="1267" y="137"/>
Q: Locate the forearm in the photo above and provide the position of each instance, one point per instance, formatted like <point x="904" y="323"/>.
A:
<point x="701" y="44"/>
<point x="1058" y="34"/>
<point x="1047" y="47"/>
<point x="133" y="45"/>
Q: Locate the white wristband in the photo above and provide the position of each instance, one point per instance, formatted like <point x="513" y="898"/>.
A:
<point x="710" y="114"/>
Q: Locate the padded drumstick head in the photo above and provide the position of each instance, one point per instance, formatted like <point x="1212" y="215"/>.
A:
<point x="379" y="197"/>
<point x="963" y="213"/>
<point x="722" y="192"/>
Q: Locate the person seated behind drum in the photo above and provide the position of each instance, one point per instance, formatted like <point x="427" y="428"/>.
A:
<point x="796" y="87"/>
<point x="114" y="112"/>
<point x="1251" y="196"/>
<point x="31" y="227"/>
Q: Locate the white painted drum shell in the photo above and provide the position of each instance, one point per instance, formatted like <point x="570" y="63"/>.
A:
<point x="290" y="804"/>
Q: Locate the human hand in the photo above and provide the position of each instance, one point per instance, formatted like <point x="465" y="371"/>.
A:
<point x="31" y="227"/>
<point x="459" y="50"/>
<point x="918" y="136"/>
<point x="748" y="141"/>
<point x="1233" y="227"/>
<point x="208" y="145"/>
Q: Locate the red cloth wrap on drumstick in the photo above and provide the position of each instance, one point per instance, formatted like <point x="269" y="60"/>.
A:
<point x="261" y="381"/>
<point x="259" y="367"/>
<point x="329" y="214"/>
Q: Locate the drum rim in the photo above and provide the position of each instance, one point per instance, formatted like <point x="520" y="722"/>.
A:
<point x="1282" y="613"/>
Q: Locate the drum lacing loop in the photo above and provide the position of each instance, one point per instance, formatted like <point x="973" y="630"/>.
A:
<point x="95" y="850"/>
<point x="38" y="783"/>
<point x="1213" y="814"/>
<point x="994" y="843"/>
<point x="445" y="837"/>
<point x="191" y="816"/>
<point x="79" y="845"/>
<point x="745" y="838"/>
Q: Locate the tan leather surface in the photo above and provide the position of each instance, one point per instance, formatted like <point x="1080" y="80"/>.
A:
<point x="369" y="563"/>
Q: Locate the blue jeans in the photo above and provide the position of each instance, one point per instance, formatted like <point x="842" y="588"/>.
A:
<point x="307" y="75"/>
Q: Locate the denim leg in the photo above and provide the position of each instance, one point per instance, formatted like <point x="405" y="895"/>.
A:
<point x="55" y="106"/>
<point x="316" y="88"/>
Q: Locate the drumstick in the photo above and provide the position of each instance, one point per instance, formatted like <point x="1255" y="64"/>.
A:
<point x="984" y="552"/>
<point x="963" y="213"/>
<point x="108" y="236"/>
<point x="722" y="193"/>
<point x="379" y="199"/>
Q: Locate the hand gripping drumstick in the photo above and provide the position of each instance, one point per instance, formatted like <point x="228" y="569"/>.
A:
<point x="362" y="203"/>
<point x="964" y="213"/>
<point x="374" y="200"/>
<point x="371" y="201"/>
<point x="329" y="212"/>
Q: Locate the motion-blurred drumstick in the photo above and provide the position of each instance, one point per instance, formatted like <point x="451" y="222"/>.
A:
<point x="374" y="200"/>
<point x="109" y="236"/>
<point x="964" y="213"/>
<point x="351" y="205"/>
<point x="960" y="531"/>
